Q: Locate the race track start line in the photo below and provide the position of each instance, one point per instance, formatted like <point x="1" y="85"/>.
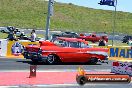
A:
<point x="42" y="78"/>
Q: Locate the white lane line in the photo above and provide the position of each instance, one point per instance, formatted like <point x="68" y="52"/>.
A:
<point x="57" y="85"/>
<point x="9" y="86"/>
<point x="57" y="70"/>
<point x="63" y="85"/>
<point x="75" y="84"/>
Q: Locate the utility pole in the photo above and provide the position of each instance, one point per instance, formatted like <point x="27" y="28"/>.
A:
<point x="114" y="23"/>
<point x="49" y="14"/>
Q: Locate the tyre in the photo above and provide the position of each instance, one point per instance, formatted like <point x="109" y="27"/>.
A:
<point x="3" y="31"/>
<point x="81" y="80"/>
<point x="52" y="59"/>
<point x="93" y="60"/>
<point x="34" y="60"/>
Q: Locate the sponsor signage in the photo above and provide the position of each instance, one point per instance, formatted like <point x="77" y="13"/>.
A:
<point x="15" y="48"/>
<point x="120" y="52"/>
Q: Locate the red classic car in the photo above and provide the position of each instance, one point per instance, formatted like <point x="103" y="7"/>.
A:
<point x="65" y="50"/>
<point x="93" y="38"/>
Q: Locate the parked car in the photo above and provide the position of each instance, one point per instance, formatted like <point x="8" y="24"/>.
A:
<point x="94" y="38"/>
<point x="7" y="29"/>
<point x="65" y="34"/>
<point x="126" y="39"/>
<point x="65" y="50"/>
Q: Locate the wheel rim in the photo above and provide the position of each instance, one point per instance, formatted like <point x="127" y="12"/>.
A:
<point x="51" y="59"/>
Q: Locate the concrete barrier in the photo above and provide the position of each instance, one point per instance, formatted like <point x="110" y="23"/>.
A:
<point x="3" y="47"/>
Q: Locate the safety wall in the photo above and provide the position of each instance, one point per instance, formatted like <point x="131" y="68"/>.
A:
<point x="119" y="51"/>
<point x="15" y="48"/>
<point x="3" y="47"/>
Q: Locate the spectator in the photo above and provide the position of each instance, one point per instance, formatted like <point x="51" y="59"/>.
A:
<point x="102" y="42"/>
<point x="12" y="36"/>
<point x="33" y="36"/>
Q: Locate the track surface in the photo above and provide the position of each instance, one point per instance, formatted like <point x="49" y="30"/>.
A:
<point x="60" y="76"/>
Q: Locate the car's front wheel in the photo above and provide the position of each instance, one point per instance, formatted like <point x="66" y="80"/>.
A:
<point x="93" y="60"/>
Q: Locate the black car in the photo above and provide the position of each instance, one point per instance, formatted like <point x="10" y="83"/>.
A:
<point x="126" y="39"/>
<point x="66" y="34"/>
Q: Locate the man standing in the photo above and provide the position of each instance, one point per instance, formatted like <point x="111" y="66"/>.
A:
<point x="102" y="42"/>
<point x="33" y="36"/>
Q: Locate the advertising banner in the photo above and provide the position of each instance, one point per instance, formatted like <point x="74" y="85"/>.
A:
<point x="15" y="48"/>
<point x="118" y="51"/>
<point x="123" y="52"/>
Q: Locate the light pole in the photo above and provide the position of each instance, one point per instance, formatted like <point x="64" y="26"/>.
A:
<point x="50" y="13"/>
<point x="114" y="23"/>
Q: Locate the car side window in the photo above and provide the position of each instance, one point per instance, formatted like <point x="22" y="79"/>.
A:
<point x="93" y="36"/>
<point x="74" y="44"/>
<point x="83" y="45"/>
<point x="60" y="43"/>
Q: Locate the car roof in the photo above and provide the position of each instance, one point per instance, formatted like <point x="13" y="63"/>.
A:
<point x="72" y="39"/>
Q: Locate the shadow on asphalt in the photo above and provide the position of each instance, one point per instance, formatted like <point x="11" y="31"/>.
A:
<point x="42" y="63"/>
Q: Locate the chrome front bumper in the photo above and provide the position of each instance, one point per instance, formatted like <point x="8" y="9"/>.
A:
<point x="104" y="61"/>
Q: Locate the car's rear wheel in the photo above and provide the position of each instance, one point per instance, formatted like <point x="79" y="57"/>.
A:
<point x="34" y="60"/>
<point x="93" y="60"/>
<point x="52" y="59"/>
<point x="81" y="80"/>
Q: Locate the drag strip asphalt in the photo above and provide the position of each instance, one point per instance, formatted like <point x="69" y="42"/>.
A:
<point x="21" y="66"/>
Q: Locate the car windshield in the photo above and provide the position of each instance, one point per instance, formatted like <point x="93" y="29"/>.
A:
<point x="75" y="44"/>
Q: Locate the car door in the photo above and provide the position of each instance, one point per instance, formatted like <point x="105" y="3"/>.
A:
<point x="70" y="54"/>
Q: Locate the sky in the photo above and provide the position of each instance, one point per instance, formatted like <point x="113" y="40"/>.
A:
<point x="122" y="5"/>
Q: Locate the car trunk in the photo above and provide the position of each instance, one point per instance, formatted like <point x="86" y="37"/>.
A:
<point x="32" y="48"/>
